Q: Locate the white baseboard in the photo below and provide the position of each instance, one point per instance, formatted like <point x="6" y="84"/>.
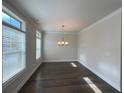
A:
<point x="101" y="76"/>
<point x="25" y="80"/>
<point x="58" y="60"/>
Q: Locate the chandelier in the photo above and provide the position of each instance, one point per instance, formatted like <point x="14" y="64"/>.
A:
<point x="62" y="41"/>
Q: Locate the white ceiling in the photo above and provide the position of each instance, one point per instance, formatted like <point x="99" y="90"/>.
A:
<point x="74" y="14"/>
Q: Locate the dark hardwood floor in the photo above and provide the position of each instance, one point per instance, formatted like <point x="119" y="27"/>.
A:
<point x="62" y="77"/>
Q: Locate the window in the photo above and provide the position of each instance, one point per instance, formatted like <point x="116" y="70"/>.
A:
<point x="38" y="44"/>
<point x="13" y="45"/>
<point x="10" y="20"/>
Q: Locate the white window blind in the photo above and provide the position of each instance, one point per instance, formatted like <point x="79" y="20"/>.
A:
<point x="13" y="44"/>
<point x="38" y="44"/>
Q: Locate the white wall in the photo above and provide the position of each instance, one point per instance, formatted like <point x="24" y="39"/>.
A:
<point x="99" y="48"/>
<point x="52" y="52"/>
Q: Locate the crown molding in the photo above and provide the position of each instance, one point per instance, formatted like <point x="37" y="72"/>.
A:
<point x="102" y="19"/>
<point x="56" y="32"/>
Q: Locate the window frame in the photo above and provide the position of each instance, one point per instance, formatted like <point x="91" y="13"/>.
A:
<point x="15" y="76"/>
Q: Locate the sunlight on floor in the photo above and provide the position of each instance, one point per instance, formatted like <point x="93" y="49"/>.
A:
<point x="92" y="85"/>
<point x="73" y="64"/>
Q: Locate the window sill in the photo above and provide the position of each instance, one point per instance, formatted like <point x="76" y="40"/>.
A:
<point x="12" y="79"/>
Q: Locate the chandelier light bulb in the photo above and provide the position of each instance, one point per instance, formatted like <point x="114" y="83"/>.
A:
<point x="59" y="42"/>
<point x="62" y="42"/>
<point x="66" y="43"/>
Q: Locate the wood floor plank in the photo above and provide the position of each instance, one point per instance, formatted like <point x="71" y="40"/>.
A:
<point x="62" y="77"/>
